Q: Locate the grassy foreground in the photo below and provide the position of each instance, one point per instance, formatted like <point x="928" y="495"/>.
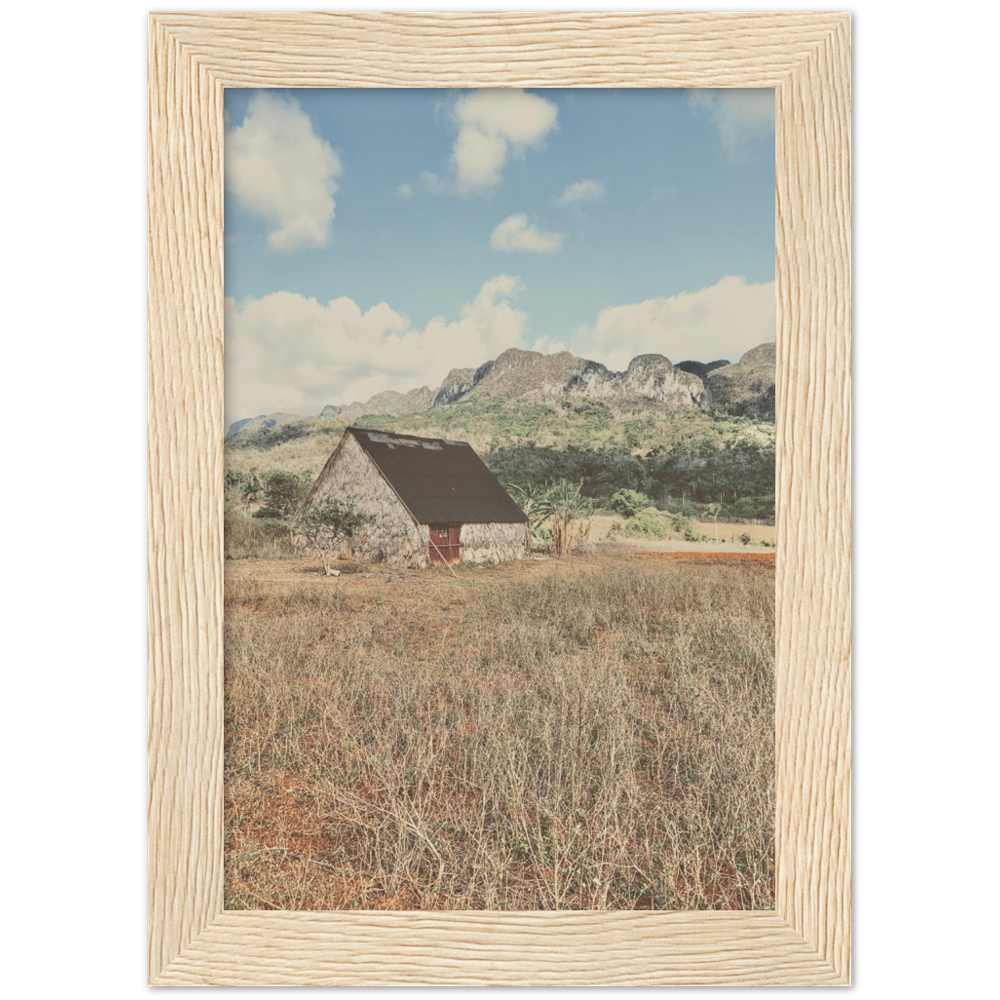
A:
<point x="596" y="734"/>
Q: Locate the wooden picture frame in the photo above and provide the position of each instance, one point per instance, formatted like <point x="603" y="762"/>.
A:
<point x="807" y="59"/>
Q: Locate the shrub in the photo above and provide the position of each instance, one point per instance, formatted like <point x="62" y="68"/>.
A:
<point x="649" y="523"/>
<point x="682" y="524"/>
<point x="628" y="503"/>
<point x="599" y="412"/>
<point x="569" y="514"/>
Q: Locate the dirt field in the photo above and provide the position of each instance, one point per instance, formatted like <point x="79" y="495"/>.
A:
<point x="595" y="733"/>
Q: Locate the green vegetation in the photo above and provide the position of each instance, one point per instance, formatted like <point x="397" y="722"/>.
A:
<point x="273" y="494"/>
<point x="325" y="523"/>
<point x="568" y="517"/>
<point x="738" y="478"/>
<point x="276" y="498"/>
<point x="265" y="438"/>
<point x="681" y="460"/>
<point x="648" y="524"/>
<point x="628" y="503"/>
<point x="652" y="523"/>
<point x="283" y="493"/>
<point x="589" y="425"/>
<point x="684" y="527"/>
<point x="558" y="515"/>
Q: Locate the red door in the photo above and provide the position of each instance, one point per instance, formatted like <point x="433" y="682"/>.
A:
<point x="444" y="546"/>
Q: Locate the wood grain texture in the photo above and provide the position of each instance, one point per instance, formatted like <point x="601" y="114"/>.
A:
<point x="506" y="50"/>
<point x="806" y="57"/>
<point x="185" y="498"/>
<point x="813" y="492"/>
<point x="499" y="949"/>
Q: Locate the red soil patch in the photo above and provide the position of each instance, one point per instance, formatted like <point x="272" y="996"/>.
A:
<point x="768" y="558"/>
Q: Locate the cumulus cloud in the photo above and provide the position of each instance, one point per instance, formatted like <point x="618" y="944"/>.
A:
<point x="492" y="124"/>
<point x="478" y="159"/>
<point x="581" y="191"/>
<point x="286" y="352"/>
<point x="740" y="116"/>
<point x="719" y="322"/>
<point x="404" y="191"/>
<point x="515" y="234"/>
<point x="280" y="170"/>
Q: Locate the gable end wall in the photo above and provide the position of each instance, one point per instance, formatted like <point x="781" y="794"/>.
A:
<point x="394" y="536"/>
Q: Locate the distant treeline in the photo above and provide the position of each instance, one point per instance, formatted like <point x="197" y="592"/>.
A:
<point x="740" y="476"/>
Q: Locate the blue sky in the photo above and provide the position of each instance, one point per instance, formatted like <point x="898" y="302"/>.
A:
<point x="377" y="238"/>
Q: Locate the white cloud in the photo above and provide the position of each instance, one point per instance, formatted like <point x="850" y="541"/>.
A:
<point x="491" y="125"/>
<point x="285" y="352"/>
<point x="545" y="346"/>
<point x="479" y="158"/>
<point x="740" y="116"/>
<point x="515" y="233"/>
<point x="522" y="118"/>
<point x="719" y="322"/>
<point x="581" y="191"/>
<point x="280" y="170"/>
<point x="432" y="182"/>
<point x="404" y="191"/>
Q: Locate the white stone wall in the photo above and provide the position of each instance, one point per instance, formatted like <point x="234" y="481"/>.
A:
<point x="393" y="536"/>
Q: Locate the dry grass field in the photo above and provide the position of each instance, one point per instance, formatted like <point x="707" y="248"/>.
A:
<point x="588" y="734"/>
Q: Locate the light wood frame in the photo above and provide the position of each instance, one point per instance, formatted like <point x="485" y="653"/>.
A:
<point x="807" y="59"/>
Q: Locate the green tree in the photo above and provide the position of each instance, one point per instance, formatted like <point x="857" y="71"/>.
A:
<point x="327" y="523"/>
<point x="283" y="492"/>
<point x="628" y="503"/>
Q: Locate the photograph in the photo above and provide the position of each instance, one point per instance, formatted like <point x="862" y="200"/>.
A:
<point x="499" y="522"/>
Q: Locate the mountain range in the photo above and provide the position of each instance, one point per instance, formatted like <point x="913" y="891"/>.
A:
<point x="745" y="388"/>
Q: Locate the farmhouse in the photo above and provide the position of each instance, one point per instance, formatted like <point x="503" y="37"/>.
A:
<point x="433" y="501"/>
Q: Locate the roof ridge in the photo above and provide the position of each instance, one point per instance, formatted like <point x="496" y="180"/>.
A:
<point x="412" y="437"/>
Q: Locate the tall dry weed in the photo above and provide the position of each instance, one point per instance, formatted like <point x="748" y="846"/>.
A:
<point x="596" y="736"/>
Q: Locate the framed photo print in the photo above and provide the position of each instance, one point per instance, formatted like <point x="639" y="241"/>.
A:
<point x="499" y="456"/>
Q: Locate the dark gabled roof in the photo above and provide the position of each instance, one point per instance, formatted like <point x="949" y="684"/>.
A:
<point x="439" y="481"/>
